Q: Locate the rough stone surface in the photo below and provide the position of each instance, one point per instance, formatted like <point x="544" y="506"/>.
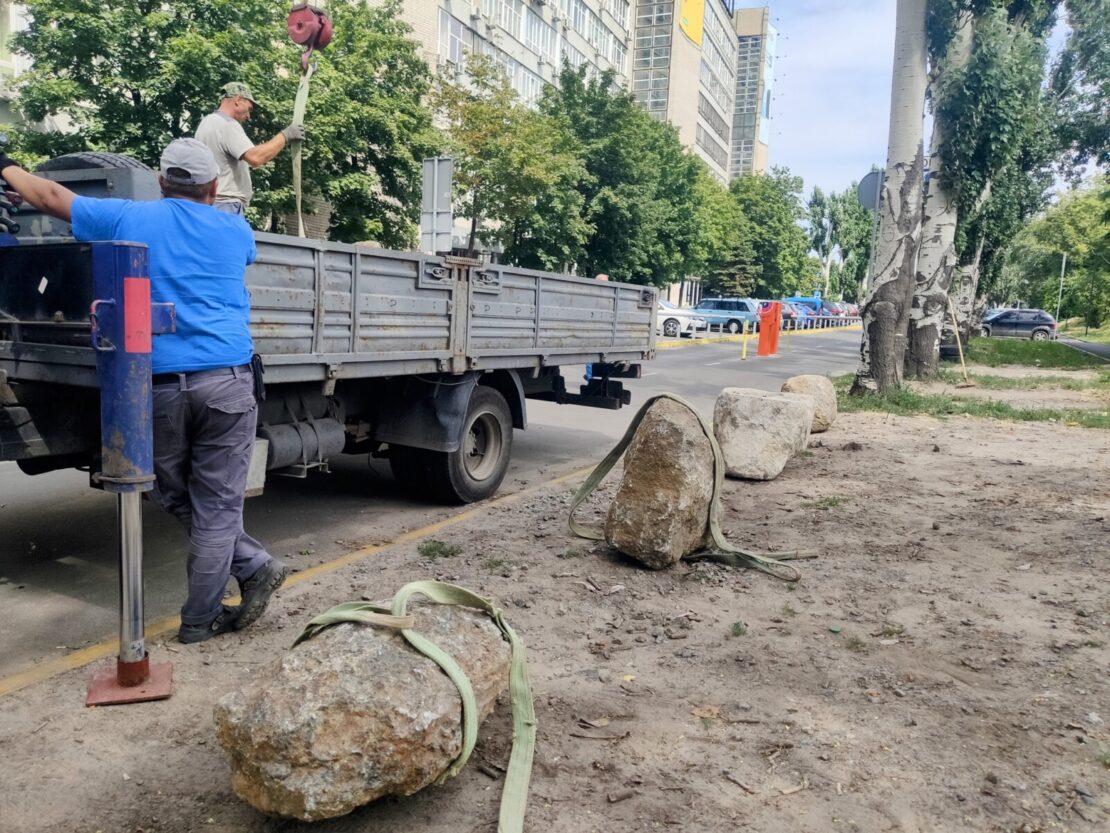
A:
<point x="824" y="398"/>
<point x="660" y="512"/>
<point x="355" y="713"/>
<point x="759" y="431"/>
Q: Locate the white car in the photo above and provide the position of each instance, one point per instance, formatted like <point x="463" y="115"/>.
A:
<point x="674" y="322"/>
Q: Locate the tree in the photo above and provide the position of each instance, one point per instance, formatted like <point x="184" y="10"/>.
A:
<point x="131" y="76"/>
<point x="1078" y="225"/>
<point x="1081" y="84"/>
<point x="886" y="308"/>
<point x="997" y="159"/>
<point x="852" y="231"/>
<point x="819" y="218"/>
<point x="517" y="170"/>
<point x="772" y="205"/>
<point x="937" y="258"/>
<point x="724" y="252"/>
<point x="639" y="195"/>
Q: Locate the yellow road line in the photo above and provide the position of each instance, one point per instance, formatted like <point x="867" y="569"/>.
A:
<point x="47" y="669"/>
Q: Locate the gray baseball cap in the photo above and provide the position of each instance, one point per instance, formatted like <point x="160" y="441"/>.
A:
<point x="188" y="162"/>
<point x="238" y="88"/>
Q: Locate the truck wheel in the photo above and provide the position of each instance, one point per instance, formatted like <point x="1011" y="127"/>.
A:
<point x="88" y="160"/>
<point x="476" y="470"/>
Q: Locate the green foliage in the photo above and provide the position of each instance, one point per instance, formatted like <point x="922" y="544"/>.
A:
<point x="518" y="171"/>
<point x="1078" y="224"/>
<point x="724" y="253"/>
<point x="639" y="195"/>
<point x="772" y="204"/>
<point x="131" y="76"/>
<point x="1081" y="84"/>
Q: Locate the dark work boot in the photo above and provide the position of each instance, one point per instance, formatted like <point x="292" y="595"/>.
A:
<point x="257" y="590"/>
<point x="223" y="622"/>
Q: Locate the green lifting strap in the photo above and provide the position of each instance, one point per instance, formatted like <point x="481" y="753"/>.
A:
<point x="518" y="775"/>
<point x="721" y="551"/>
<point x="299" y="106"/>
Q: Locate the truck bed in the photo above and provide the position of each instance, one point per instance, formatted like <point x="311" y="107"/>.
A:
<point x="325" y="311"/>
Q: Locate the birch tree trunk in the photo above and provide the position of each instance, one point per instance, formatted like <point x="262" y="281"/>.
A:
<point x="966" y="291"/>
<point x="886" y="309"/>
<point x="936" y="259"/>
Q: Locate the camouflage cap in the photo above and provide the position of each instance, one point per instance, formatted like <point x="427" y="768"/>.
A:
<point x="238" y="88"/>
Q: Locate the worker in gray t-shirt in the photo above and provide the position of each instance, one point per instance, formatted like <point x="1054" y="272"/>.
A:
<point x="235" y="154"/>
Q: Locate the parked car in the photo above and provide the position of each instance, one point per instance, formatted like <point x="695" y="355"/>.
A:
<point x="729" y="313"/>
<point x="791" y="318"/>
<point x="1020" y="323"/>
<point x="802" y="315"/>
<point x="674" y="322"/>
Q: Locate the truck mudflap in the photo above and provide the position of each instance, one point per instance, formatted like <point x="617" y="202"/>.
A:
<point x="39" y="435"/>
<point x="425" y="411"/>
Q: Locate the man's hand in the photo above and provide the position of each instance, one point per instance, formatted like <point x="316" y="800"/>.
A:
<point x="47" y="196"/>
<point x="6" y="161"/>
<point x="293" y="133"/>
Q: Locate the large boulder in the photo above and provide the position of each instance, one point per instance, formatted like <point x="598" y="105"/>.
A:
<point x="661" y="509"/>
<point x="356" y="713"/>
<point x="824" y="398"/>
<point x="759" y="431"/>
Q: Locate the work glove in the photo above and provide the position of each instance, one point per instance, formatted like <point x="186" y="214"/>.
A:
<point x="294" y="132"/>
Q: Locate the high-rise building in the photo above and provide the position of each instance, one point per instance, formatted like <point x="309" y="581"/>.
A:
<point x="751" y="115"/>
<point x="530" y="39"/>
<point x="684" y="72"/>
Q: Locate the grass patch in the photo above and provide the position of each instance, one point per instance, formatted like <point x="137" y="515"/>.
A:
<point x="738" y="629"/>
<point x="994" y="352"/>
<point x="433" y="549"/>
<point x="492" y="564"/>
<point x="990" y="382"/>
<point x="854" y="643"/>
<point x="891" y="629"/>
<point x="830" y="502"/>
<point x="566" y="554"/>
<point x="1074" y="327"/>
<point x="787" y="610"/>
<point x="909" y="403"/>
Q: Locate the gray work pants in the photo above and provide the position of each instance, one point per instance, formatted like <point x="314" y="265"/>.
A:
<point x="203" y="432"/>
<point x="231" y="207"/>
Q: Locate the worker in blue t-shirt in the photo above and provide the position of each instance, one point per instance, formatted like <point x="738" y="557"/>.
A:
<point x="204" y="403"/>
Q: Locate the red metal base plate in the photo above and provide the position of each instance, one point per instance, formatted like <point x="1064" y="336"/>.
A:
<point x="105" y="690"/>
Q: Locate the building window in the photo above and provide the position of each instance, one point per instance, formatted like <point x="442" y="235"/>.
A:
<point x="654" y="14"/>
<point x="711" y="147"/>
<point x="455" y="39"/>
<point x="512" y="17"/>
<point x="538" y="36"/>
<point x="571" y="55"/>
<point x="712" y="117"/>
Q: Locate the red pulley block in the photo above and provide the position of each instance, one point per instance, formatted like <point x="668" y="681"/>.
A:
<point x="309" y="26"/>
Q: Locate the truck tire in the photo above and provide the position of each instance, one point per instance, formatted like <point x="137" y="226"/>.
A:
<point x="86" y="160"/>
<point x="476" y="470"/>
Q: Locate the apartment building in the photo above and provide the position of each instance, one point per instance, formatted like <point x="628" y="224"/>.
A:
<point x="684" y="72"/>
<point x="751" y="118"/>
<point x="11" y="65"/>
<point x="530" y="39"/>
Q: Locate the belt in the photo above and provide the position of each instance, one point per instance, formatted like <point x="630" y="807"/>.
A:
<point x="189" y="375"/>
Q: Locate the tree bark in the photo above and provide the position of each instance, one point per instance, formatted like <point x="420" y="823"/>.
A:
<point x="936" y="259"/>
<point x="965" y="294"/>
<point x="886" y="309"/>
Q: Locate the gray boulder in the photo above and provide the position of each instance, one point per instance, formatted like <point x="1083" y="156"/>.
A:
<point x="661" y="509"/>
<point x="824" y="398"/>
<point x="759" y="431"/>
<point x="356" y="713"/>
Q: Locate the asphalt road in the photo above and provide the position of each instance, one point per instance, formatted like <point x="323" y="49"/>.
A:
<point x="58" y="576"/>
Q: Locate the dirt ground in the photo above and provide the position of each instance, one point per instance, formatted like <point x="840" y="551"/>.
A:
<point x="1048" y="397"/>
<point x="943" y="666"/>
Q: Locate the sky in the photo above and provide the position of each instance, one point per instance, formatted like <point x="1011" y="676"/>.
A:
<point x="832" y="87"/>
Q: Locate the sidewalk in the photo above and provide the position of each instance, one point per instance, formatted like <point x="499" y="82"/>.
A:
<point x="1094" y="348"/>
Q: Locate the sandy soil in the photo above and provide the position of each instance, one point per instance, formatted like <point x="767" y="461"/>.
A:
<point x="942" y="666"/>
<point x="1047" y="397"/>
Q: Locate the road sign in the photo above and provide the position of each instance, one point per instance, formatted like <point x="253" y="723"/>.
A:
<point x="867" y="192"/>
<point x="436" y="218"/>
